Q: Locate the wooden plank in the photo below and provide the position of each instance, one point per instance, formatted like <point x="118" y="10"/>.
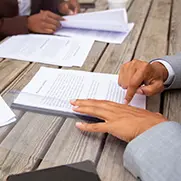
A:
<point x="9" y="70"/>
<point x="18" y="85"/>
<point x="100" y="5"/>
<point x="27" y="143"/>
<point x="153" y="42"/>
<point x="115" y="55"/>
<point x="110" y="166"/>
<point x="129" y="3"/>
<point x="79" y="146"/>
<point x="72" y="146"/>
<point x="35" y="120"/>
<point x="113" y="150"/>
<point x="87" y="3"/>
<point x="172" y="104"/>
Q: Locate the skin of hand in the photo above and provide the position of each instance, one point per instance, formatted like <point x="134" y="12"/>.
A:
<point x="122" y="121"/>
<point x="70" y="7"/>
<point x="44" y="22"/>
<point x="143" y="78"/>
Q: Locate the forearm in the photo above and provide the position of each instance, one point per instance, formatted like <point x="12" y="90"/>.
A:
<point x="155" y="155"/>
<point x="13" y="26"/>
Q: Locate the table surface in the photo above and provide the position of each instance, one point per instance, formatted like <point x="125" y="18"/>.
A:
<point x="38" y="141"/>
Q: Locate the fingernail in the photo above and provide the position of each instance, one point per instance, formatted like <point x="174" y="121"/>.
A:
<point x="125" y="101"/>
<point x="78" y="124"/>
<point x="140" y="91"/>
<point x="73" y="101"/>
<point x="71" y="12"/>
<point x="75" y="108"/>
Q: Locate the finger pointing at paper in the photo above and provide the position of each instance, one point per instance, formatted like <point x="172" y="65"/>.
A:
<point x="142" y="78"/>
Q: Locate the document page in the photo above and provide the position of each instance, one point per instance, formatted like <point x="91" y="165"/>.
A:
<point x="52" y="89"/>
<point x="48" y="49"/>
<point x="110" y="20"/>
<point x="103" y="36"/>
<point x="7" y="116"/>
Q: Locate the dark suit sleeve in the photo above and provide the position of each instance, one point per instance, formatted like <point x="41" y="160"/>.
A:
<point x="51" y="5"/>
<point x="13" y="26"/>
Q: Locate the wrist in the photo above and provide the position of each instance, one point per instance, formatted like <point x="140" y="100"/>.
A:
<point x="29" y="24"/>
<point x="159" y="67"/>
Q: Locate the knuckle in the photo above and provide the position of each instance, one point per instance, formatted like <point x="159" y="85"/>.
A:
<point x="125" y="65"/>
<point x="144" y="65"/>
<point x="135" y="61"/>
<point x="133" y="84"/>
<point x="42" y="24"/>
<point x="150" y="91"/>
<point x="94" y="127"/>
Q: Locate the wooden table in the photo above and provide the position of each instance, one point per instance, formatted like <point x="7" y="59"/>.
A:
<point x="46" y="140"/>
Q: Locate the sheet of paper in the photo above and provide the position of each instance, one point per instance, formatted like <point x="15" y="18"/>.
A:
<point x="7" y="116"/>
<point x="48" y="49"/>
<point x="52" y="89"/>
<point x="110" y="20"/>
<point x="103" y="36"/>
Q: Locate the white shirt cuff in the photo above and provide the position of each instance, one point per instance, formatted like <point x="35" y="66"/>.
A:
<point x="170" y="70"/>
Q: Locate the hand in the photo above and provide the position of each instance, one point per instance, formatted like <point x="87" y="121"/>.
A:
<point x="69" y="8"/>
<point x="44" y="22"/>
<point x="142" y="77"/>
<point x="123" y="121"/>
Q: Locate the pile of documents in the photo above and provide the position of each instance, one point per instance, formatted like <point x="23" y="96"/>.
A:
<point x="69" y="48"/>
<point x="7" y="116"/>
<point x="108" y="26"/>
<point x="51" y="90"/>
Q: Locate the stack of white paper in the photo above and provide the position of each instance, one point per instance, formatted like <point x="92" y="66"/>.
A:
<point x="108" y="26"/>
<point x="51" y="90"/>
<point x="48" y="49"/>
<point x="6" y="116"/>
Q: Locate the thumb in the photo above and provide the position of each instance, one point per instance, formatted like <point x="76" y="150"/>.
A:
<point x="98" y="127"/>
<point x="64" y="9"/>
<point x="156" y="87"/>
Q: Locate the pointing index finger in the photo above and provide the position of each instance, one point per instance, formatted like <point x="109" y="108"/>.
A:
<point x="134" y="84"/>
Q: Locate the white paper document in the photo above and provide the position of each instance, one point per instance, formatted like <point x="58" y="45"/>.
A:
<point x="48" y="49"/>
<point x="109" y="20"/>
<point x="7" y="116"/>
<point x="103" y="36"/>
<point x="52" y="89"/>
<point x="109" y="26"/>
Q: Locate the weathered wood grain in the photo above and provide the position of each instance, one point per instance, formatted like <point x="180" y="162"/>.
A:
<point x="9" y="70"/>
<point x="115" y="55"/>
<point x="17" y="85"/>
<point x="34" y="133"/>
<point x="79" y="146"/>
<point x="26" y="144"/>
<point x="172" y="103"/>
<point x="110" y="166"/>
<point x="100" y="5"/>
<point x="71" y="146"/>
<point x="32" y="118"/>
<point x="129" y="3"/>
<point x="87" y="3"/>
<point x="153" y="42"/>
